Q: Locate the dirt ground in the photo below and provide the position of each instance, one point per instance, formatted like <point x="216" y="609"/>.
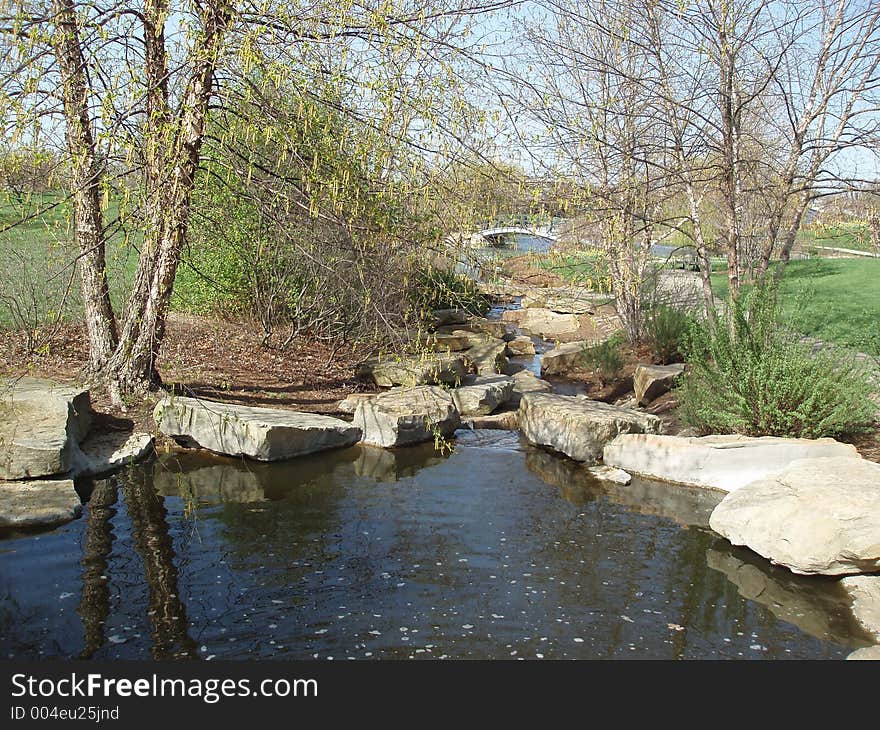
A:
<point x="212" y="358"/>
<point x="224" y="360"/>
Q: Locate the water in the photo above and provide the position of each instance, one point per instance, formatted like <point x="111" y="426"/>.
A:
<point x="485" y="260"/>
<point x="495" y="551"/>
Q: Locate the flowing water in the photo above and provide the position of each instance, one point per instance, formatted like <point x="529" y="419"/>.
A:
<point x="497" y="550"/>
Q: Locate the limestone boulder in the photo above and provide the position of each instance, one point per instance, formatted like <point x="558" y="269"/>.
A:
<point x="492" y="327"/>
<point x="497" y="328"/>
<point x="716" y="462"/>
<point x="652" y="381"/>
<point x="38" y="503"/>
<point x="41" y="423"/>
<point x="489" y="357"/>
<point x="407" y="416"/>
<point x="482" y="395"/>
<point x="563" y="358"/>
<point x="563" y="300"/>
<point x="453" y="341"/>
<point x="415" y="370"/>
<point x="816" y="516"/>
<point x="265" y="434"/>
<point x="864" y="592"/>
<point x="525" y="381"/>
<point x="610" y="474"/>
<point x="350" y="403"/>
<point x="521" y="345"/>
<point x="102" y="453"/>
<point x="549" y="325"/>
<point x="577" y="427"/>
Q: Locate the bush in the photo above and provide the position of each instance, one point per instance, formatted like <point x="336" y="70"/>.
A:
<point x="666" y="329"/>
<point x="435" y="288"/>
<point x="605" y="358"/>
<point x="751" y="376"/>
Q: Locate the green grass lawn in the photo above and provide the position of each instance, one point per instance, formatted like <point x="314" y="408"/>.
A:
<point x="837" y="300"/>
<point x="855" y="236"/>
<point x="36" y="258"/>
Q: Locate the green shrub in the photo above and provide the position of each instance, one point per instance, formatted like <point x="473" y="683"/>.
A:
<point x="749" y="375"/>
<point x="666" y="329"/>
<point x="605" y="358"/>
<point x="435" y="288"/>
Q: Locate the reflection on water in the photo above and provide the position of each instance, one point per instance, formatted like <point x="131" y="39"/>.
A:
<point x="147" y="514"/>
<point x="497" y="550"/>
<point x="816" y="605"/>
<point x="94" y="605"/>
<point x="684" y="505"/>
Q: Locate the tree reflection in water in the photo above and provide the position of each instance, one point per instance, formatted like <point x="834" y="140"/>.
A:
<point x="149" y="525"/>
<point x="94" y="607"/>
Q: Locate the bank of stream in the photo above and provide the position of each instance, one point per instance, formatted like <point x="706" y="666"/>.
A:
<point x="497" y="550"/>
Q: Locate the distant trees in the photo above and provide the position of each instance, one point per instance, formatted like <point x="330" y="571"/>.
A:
<point x="671" y="112"/>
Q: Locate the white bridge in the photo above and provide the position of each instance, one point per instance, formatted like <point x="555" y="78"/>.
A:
<point x="537" y="231"/>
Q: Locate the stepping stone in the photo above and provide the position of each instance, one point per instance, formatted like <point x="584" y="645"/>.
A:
<point x="563" y="358"/>
<point x="407" y="416"/>
<point x="521" y="345"/>
<point x="817" y="516"/>
<point x="503" y="421"/>
<point x="38" y="503"/>
<point x="41" y="423"/>
<point x="482" y="395"/>
<point x="106" y="452"/>
<point x="525" y="381"/>
<point x="489" y="357"/>
<point x="415" y="370"/>
<point x="725" y="462"/>
<point x="578" y="427"/>
<point x="610" y="474"/>
<point x="266" y="434"/>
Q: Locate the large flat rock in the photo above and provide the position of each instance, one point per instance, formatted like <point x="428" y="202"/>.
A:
<point x="426" y="369"/>
<point x="578" y="427"/>
<point x="563" y="358"/>
<point x="38" y="503"/>
<point x="41" y="423"/>
<point x="563" y="300"/>
<point x="266" y="434"/>
<point x="716" y="462"/>
<point x="525" y="381"/>
<point x="481" y="395"/>
<point x="102" y="453"/>
<point x="549" y="325"/>
<point x="817" y="516"/>
<point x="489" y="357"/>
<point x="652" y="381"/>
<point x="864" y="592"/>
<point x="407" y="416"/>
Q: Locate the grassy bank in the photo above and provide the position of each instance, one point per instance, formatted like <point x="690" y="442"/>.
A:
<point x="38" y="255"/>
<point x="837" y="300"/>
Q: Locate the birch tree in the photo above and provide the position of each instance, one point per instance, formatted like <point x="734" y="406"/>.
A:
<point x="129" y="86"/>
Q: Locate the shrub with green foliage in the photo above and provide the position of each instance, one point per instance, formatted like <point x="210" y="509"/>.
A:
<point x="605" y="358"/>
<point x="750" y="375"/>
<point x="666" y="329"/>
<point x="436" y="288"/>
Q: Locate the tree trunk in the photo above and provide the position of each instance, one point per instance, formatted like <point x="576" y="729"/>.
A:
<point x="132" y="369"/>
<point x="88" y="219"/>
